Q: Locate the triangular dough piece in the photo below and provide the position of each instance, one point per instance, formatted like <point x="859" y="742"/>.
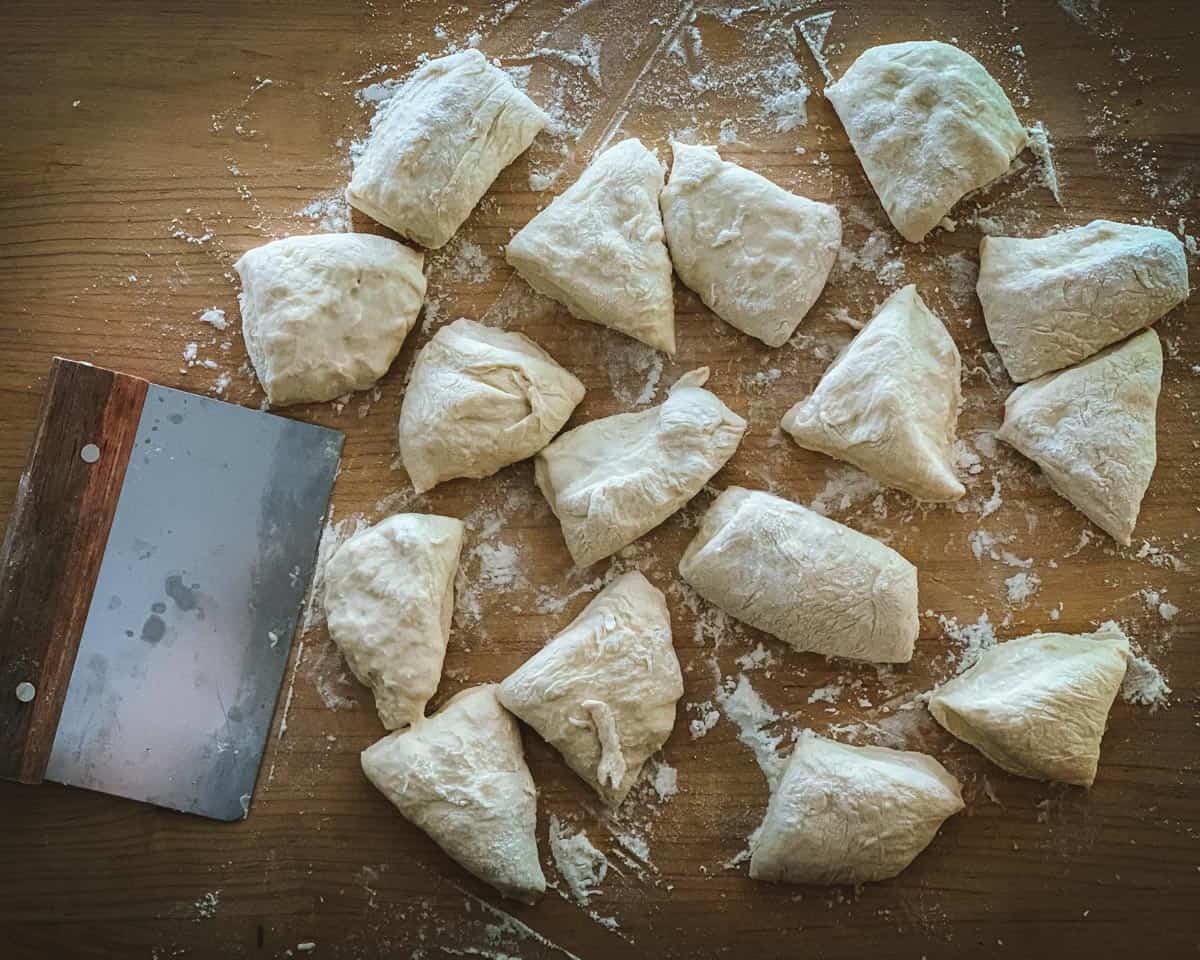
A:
<point x="1037" y="706"/>
<point x="757" y="255"/>
<point x="889" y="403"/>
<point x="614" y="479"/>
<point x="1091" y="428"/>
<point x="929" y="125"/>
<point x="460" y="776"/>
<point x="603" y="691"/>
<point x="598" y="248"/>
<point x="389" y="598"/>
<point x="480" y="399"/>
<point x="844" y="814"/>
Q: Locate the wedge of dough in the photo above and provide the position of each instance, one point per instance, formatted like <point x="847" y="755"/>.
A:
<point x="845" y="814"/>
<point x="611" y="480"/>
<point x="929" y="125"/>
<point x="1037" y="706"/>
<point x="460" y="776"/>
<point x="889" y="403"/>
<point x="326" y="314"/>
<point x="479" y="399"/>
<point x="603" y="691"/>
<point x="757" y="255"/>
<point x="598" y="248"/>
<point x="1091" y="428"/>
<point x="1054" y="301"/>
<point x="436" y="146"/>
<point x="813" y="583"/>
<point x="389" y="598"/>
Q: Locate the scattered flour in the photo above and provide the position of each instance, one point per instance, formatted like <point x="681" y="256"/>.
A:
<point x="751" y="714"/>
<point x="666" y="781"/>
<point x="206" y="906"/>
<point x="1043" y="149"/>
<point x="844" y="486"/>
<point x="972" y="638"/>
<point x="331" y="213"/>
<point x="707" y="718"/>
<point x="1145" y="684"/>
<point x="215" y="317"/>
<point x="1021" y="586"/>
<point x="581" y="866"/>
<point x="628" y="362"/>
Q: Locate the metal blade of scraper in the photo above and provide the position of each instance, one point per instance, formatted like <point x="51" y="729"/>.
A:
<point x="211" y="550"/>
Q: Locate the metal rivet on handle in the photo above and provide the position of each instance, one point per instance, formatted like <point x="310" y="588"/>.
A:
<point x="25" y="691"/>
<point x="90" y="453"/>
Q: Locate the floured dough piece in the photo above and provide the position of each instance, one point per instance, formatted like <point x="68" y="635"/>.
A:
<point x="603" y="691"/>
<point x="889" y="403"/>
<point x="460" y="776"/>
<point x="844" y="814"/>
<point x="757" y="255"/>
<point x="598" y="248"/>
<point x="326" y="314"/>
<point x="479" y="399"/>
<point x="611" y="480"/>
<point x="810" y="581"/>
<point x="1091" y="428"/>
<point x="437" y="145"/>
<point x="389" y="597"/>
<point x="929" y="125"/>
<point x="1054" y="301"/>
<point x="1037" y="706"/>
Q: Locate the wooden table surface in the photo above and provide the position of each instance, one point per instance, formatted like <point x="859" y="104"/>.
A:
<point x="144" y="150"/>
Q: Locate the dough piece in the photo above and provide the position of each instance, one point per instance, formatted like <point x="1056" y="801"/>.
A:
<point x="844" y="814"/>
<point x="810" y="581"/>
<point x="1037" y="706"/>
<point x="460" y="776"/>
<point x="603" y="691"/>
<point x="325" y="314"/>
<point x="437" y="145"/>
<point x="1091" y="428"/>
<point x="1057" y="300"/>
<point x="614" y="479"/>
<point x="929" y="125"/>
<point x="757" y="255"/>
<point x="479" y="399"/>
<point x="598" y="248"/>
<point x="889" y="403"/>
<point x="389" y="597"/>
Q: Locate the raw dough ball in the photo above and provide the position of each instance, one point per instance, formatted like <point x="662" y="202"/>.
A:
<point x="437" y="145"/>
<point x="757" y="255"/>
<point x="929" y="125"/>
<point x="1091" y="428"/>
<point x="460" y="776"/>
<point x="323" y="315"/>
<point x="844" y="814"/>
<point x="813" y="583"/>
<point x="598" y="248"/>
<point x="479" y="399"/>
<point x="389" y="597"/>
<point x="603" y="691"/>
<point x="1037" y="706"/>
<point x="614" y="479"/>
<point x="1054" y="301"/>
<point x="889" y="403"/>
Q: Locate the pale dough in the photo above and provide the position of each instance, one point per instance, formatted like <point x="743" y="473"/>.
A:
<point x="611" y="480"/>
<point x="326" y="314"/>
<point x="757" y="255"/>
<point x="479" y="399"/>
<point x="813" y="583"/>
<point x="889" y="403"/>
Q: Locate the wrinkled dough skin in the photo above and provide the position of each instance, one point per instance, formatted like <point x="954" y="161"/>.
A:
<point x="614" y="666"/>
<point x="813" y="583"/>
<point x="611" y="480"/>
<point x="460" y="776"/>
<point x="438" y="144"/>
<point x="1037" y="706"/>
<point x="389" y="598"/>
<point x="1054" y="301"/>
<point x="480" y="399"/>
<point x="844" y="814"/>
<point x="929" y="125"/>
<point x="757" y="255"/>
<point x="889" y="403"/>
<point x="1091" y="428"/>
<point x="326" y="314"/>
<point x="598" y="248"/>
